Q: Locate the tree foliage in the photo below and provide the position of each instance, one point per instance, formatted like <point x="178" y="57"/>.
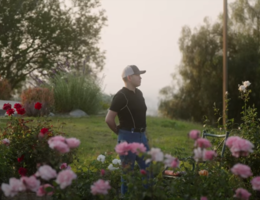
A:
<point x="37" y="35"/>
<point x="201" y="68"/>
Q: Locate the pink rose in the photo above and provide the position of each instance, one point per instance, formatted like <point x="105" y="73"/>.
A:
<point x="156" y="155"/>
<point x="230" y="141"/>
<point x="72" y="142"/>
<point x="6" y="142"/>
<point x="203" y="198"/>
<point x="171" y="161"/>
<point x="241" y="147"/>
<point x="122" y="148"/>
<point x="242" y="170"/>
<point x="56" y="138"/>
<point x="42" y="190"/>
<point x="64" y="166"/>
<point x="209" y="155"/>
<point x="202" y="143"/>
<point x="137" y="147"/>
<point x="59" y="146"/>
<point x="65" y="178"/>
<point x="242" y="194"/>
<point x="46" y="172"/>
<point x="100" y="187"/>
<point x="15" y="186"/>
<point x="198" y="154"/>
<point x="31" y="183"/>
<point x="194" y="134"/>
<point x="256" y="183"/>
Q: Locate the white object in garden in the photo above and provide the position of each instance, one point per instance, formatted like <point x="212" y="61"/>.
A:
<point x="78" y="113"/>
<point x="116" y="161"/>
<point x="112" y="168"/>
<point x="101" y="158"/>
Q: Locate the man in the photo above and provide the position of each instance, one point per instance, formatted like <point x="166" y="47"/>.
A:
<point x="129" y="105"/>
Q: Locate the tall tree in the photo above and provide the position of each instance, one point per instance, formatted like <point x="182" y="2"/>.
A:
<point x="36" y="35"/>
<point x="200" y="70"/>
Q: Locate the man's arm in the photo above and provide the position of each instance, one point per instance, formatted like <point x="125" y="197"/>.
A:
<point x="110" y="120"/>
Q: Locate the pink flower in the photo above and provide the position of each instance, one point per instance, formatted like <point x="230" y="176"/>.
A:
<point x="230" y="141"/>
<point x="15" y="186"/>
<point x="65" y="178"/>
<point x="241" y="147"/>
<point x="194" y="134"/>
<point x="156" y="155"/>
<point x="72" y="142"/>
<point x="209" y="155"/>
<point x="31" y="183"/>
<point x="6" y="142"/>
<point x="198" y="154"/>
<point x="7" y="106"/>
<point x="122" y="148"/>
<point x="59" y="146"/>
<point x="242" y="170"/>
<point x="256" y="183"/>
<point x="171" y="161"/>
<point x="202" y="143"/>
<point x="38" y="106"/>
<point x="137" y="147"/>
<point x="102" y="172"/>
<point x="56" y="138"/>
<point x="64" y="166"/>
<point x="203" y="198"/>
<point x="142" y="171"/>
<point x="42" y="190"/>
<point x="242" y="194"/>
<point x="46" y="172"/>
<point x="100" y="187"/>
<point x="17" y="106"/>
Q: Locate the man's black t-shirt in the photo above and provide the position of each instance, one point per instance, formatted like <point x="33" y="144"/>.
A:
<point x="130" y="107"/>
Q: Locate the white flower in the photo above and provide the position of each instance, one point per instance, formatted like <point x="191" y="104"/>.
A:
<point x="101" y="158"/>
<point x="112" y="168"/>
<point x="246" y="83"/>
<point x="156" y="154"/>
<point x="198" y="154"/>
<point x="242" y="88"/>
<point x="116" y="161"/>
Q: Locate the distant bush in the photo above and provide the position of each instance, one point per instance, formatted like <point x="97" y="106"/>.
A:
<point x="37" y="94"/>
<point x="75" y="91"/>
<point x="5" y="89"/>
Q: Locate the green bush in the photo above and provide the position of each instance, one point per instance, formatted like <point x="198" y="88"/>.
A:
<point x="75" y="91"/>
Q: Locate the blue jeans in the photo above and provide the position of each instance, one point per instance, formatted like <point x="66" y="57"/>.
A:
<point x="130" y="137"/>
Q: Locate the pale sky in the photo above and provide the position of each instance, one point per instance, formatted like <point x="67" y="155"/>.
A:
<point x="146" y="33"/>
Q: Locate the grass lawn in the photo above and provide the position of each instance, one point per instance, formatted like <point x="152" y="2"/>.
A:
<point x="96" y="138"/>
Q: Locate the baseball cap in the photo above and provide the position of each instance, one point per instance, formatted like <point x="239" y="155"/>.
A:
<point x="130" y="70"/>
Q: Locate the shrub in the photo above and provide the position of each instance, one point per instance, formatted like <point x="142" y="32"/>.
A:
<point x="37" y="94"/>
<point x="75" y="91"/>
<point x="5" y="89"/>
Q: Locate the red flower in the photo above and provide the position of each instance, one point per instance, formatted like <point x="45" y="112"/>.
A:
<point x="38" y="106"/>
<point x="20" y="111"/>
<point x="43" y="132"/>
<point x="17" y="106"/>
<point x="20" y="159"/>
<point x="22" y="171"/>
<point x="142" y="171"/>
<point x="10" y="111"/>
<point x="7" y="106"/>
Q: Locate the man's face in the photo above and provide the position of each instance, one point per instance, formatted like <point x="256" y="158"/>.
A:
<point x="135" y="80"/>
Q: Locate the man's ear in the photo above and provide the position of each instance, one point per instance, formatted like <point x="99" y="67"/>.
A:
<point x="128" y="78"/>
